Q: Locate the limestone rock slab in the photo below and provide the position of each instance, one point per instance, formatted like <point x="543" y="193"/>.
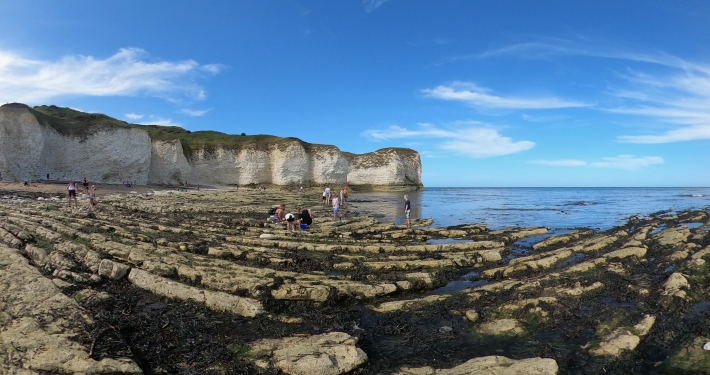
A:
<point x="327" y="354"/>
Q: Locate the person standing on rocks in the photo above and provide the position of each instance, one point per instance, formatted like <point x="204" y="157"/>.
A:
<point x="327" y="195"/>
<point x="345" y="195"/>
<point x="71" y="189"/>
<point x="407" y="208"/>
<point x="336" y="207"/>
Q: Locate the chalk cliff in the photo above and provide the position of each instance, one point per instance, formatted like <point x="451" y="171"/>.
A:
<point x="69" y="144"/>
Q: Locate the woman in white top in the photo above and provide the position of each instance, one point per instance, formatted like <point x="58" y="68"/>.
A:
<point x="71" y="189"/>
<point x="327" y="196"/>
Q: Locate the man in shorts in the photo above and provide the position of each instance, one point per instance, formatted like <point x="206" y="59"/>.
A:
<point x="407" y="208"/>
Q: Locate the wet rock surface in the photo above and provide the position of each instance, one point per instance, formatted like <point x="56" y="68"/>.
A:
<point x="201" y="283"/>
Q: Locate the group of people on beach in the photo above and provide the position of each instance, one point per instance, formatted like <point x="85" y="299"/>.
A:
<point x="336" y="200"/>
<point x="72" y="190"/>
<point x="293" y="221"/>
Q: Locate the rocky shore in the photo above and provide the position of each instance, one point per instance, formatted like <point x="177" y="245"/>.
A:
<point x="199" y="282"/>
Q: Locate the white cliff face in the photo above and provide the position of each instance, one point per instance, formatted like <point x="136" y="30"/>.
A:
<point x="328" y="165"/>
<point x="168" y="164"/>
<point x="29" y="150"/>
<point x="386" y="167"/>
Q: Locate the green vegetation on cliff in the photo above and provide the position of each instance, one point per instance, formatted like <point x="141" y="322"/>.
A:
<point x="75" y="123"/>
<point x="67" y="121"/>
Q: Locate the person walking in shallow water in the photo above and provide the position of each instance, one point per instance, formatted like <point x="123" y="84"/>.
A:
<point x="407" y="208"/>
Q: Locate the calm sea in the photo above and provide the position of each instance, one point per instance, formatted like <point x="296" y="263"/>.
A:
<point x="556" y="208"/>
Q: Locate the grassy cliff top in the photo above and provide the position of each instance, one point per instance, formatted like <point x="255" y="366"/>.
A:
<point x="75" y="123"/>
<point x="70" y="122"/>
<point x="67" y="121"/>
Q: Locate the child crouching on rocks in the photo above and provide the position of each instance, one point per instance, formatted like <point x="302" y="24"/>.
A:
<point x="291" y="222"/>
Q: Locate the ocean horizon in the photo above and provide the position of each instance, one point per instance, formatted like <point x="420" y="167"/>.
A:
<point x="552" y="207"/>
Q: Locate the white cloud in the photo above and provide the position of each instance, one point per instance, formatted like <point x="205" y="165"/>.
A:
<point x="476" y="142"/>
<point x="128" y="72"/>
<point x="193" y="112"/>
<point x="212" y="68"/>
<point x="560" y="163"/>
<point x="681" y="99"/>
<point x="688" y="133"/>
<point x="371" y="5"/>
<point x="133" y="116"/>
<point x="551" y="118"/>
<point x="627" y="162"/>
<point x="678" y="96"/>
<point x="160" y="121"/>
<point x="477" y="96"/>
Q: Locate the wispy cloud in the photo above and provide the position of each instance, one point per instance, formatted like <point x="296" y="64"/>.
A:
<point x="560" y="163"/>
<point x="561" y="47"/>
<point x="194" y="112"/>
<point x="477" y="96"/>
<point x="681" y="99"/>
<point x="129" y="72"/>
<point x="155" y="120"/>
<point x="371" y="5"/>
<point x="133" y="116"/>
<point x="551" y="118"/>
<point x="628" y="162"/>
<point x="476" y="142"/>
<point x="677" y="96"/>
<point x="616" y="162"/>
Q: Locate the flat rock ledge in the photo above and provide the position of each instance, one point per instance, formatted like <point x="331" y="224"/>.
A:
<point x="38" y="325"/>
<point x="327" y="354"/>
<point x="491" y="365"/>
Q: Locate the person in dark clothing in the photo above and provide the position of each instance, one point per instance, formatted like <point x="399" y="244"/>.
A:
<point x="306" y="217"/>
<point x="407" y="208"/>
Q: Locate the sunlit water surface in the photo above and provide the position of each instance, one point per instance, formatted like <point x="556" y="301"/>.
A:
<point x="556" y="208"/>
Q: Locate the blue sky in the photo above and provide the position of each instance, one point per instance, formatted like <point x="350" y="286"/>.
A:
<point x="491" y="93"/>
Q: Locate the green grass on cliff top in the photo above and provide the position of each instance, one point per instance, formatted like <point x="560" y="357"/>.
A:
<point x="70" y="122"/>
